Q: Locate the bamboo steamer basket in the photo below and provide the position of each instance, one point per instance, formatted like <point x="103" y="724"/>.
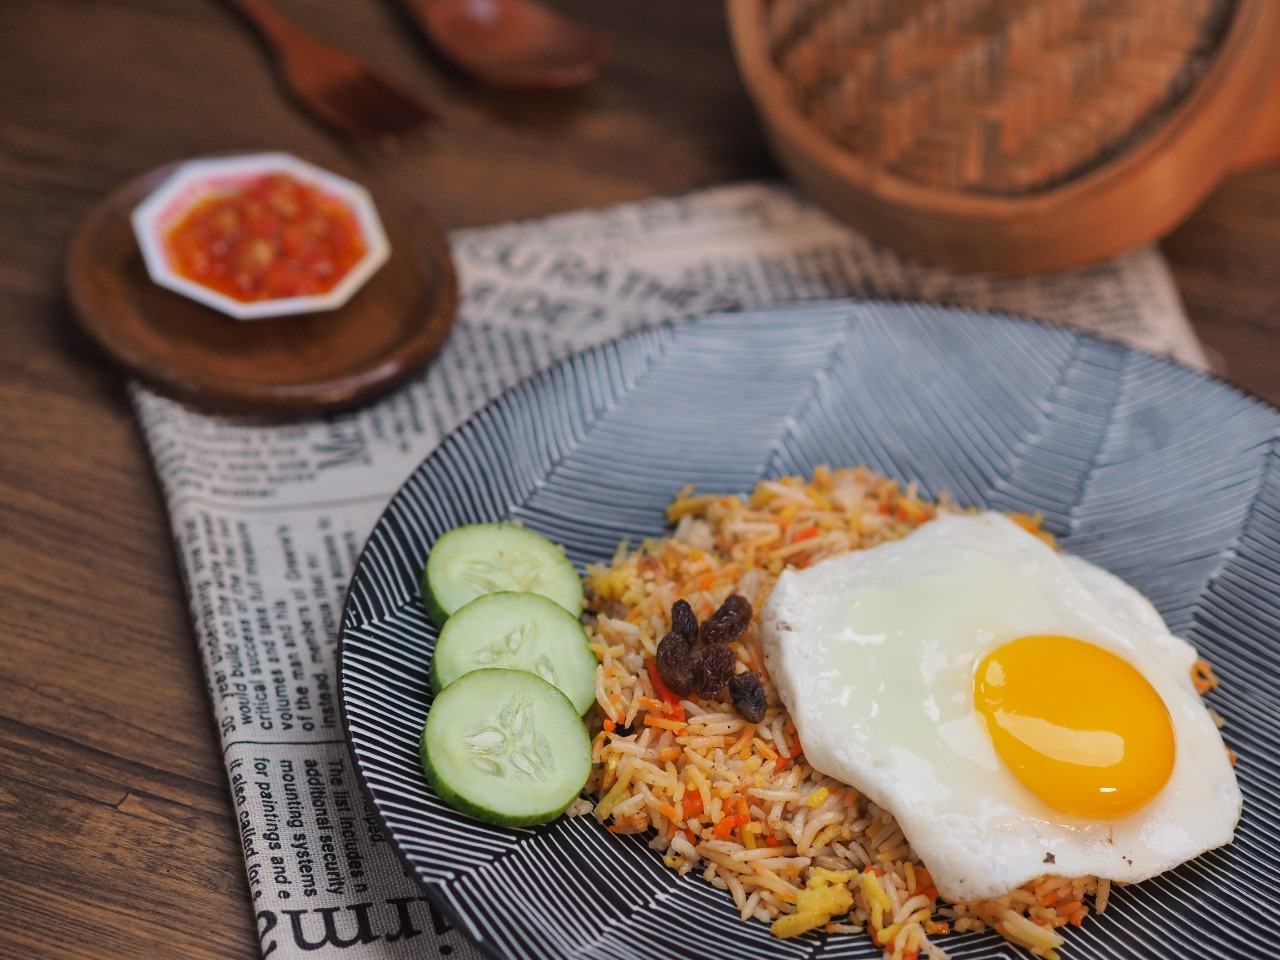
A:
<point x="1012" y="135"/>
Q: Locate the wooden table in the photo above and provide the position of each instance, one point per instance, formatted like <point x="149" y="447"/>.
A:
<point x="116" y="836"/>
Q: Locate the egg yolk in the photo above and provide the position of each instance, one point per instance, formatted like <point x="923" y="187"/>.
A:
<point x="1080" y="727"/>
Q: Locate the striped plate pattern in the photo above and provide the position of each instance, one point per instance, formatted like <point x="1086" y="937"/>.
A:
<point x="1162" y="475"/>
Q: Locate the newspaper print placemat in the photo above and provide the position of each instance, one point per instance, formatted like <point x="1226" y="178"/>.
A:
<point x="269" y="519"/>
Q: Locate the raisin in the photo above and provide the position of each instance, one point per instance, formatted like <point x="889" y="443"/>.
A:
<point x="683" y="621"/>
<point x="729" y="622"/>
<point x="712" y="668"/>
<point x="748" y="696"/>
<point x="674" y="665"/>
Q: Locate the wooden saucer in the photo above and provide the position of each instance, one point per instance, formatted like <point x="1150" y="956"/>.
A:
<point x="292" y="366"/>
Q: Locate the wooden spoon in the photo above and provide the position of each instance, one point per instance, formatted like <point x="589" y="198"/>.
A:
<point x="516" y="44"/>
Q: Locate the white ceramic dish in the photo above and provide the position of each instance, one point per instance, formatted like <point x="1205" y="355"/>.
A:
<point x="197" y="179"/>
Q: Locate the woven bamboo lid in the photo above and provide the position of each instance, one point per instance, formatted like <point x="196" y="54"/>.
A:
<point x="1011" y="135"/>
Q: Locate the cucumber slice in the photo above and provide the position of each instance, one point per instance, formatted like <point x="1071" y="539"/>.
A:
<point x="468" y="562"/>
<point x="506" y="747"/>
<point x="519" y="631"/>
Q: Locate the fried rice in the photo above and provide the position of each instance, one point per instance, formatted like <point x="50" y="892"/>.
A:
<point x="736" y="801"/>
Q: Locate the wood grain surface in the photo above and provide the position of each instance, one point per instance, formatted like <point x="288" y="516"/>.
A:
<point x="118" y="839"/>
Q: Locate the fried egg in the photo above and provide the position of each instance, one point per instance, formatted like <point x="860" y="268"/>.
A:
<point x="1020" y="711"/>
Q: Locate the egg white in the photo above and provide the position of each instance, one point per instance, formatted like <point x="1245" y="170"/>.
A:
<point x="874" y="652"/>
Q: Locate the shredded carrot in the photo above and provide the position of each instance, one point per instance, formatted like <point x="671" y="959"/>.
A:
<point x="651" y="721"/>
<point x="1029" y="522"/>
<point x="808" y="533"/>
<point x="1073" y="910"/>
<point x="662" y="706"/>
<point x="692" y="803"/>
<point x="795" y="749"/>
<point x="925" y="884"/>
<point x="1203" y="677"/>
<point x="765" y="749"/>
<point x="609" y="725"/>
<point x="727" y="825"/>
<point x="743" y="741"/>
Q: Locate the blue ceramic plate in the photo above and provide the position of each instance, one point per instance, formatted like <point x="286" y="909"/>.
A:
<point x="1162" y="475"/>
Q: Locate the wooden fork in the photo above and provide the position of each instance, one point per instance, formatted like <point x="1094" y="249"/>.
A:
<point x="338" y="88"/>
